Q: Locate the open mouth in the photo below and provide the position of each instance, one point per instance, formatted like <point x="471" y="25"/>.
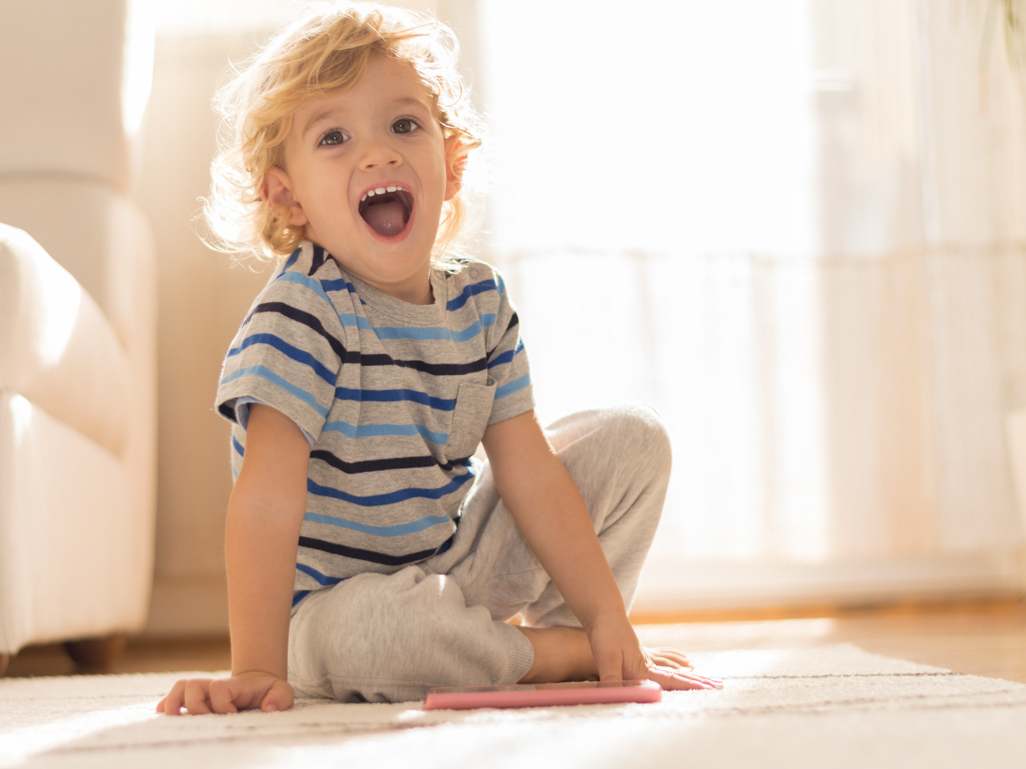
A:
<point x="387" y="210"/>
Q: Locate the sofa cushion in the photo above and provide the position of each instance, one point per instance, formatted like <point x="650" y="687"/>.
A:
<point x="96" y="234"/>
<point x="76" y="555"/>
<point x="56" y="347"/>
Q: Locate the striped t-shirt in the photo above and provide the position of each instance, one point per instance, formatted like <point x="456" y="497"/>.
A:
<point x="393" y="397"/>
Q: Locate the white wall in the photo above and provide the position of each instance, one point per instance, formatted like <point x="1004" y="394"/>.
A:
<point x="203" y="298"/>
<point x="202" y="301"/>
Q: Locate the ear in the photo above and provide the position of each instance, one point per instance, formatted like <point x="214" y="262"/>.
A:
<point x="455" y="160"/>
<point x="277" y="191"/>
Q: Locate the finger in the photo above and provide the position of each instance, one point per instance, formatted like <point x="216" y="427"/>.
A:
<point x="610" y="667"/>
<point x="713" y="682"/>
<point x="671" y="682"/>
<point x="222" y="699"/>
<point x="674" y="654"/>
<point x="677" y="679"/>
<point x="174" y="699"/>
<point x="280" y="697"/>
<point x="160" y="705"/>
<point x="196" y="696"/>
<point x="671" y="658"/>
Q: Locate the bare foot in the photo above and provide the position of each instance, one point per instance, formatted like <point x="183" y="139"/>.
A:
<point x="560" y="654"/>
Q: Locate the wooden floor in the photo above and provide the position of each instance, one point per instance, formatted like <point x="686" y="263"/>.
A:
<point x="985" y="638"/>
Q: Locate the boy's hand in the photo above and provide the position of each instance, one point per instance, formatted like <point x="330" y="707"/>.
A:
<point x="245" y="691"/>
<point x="621" y="657"/>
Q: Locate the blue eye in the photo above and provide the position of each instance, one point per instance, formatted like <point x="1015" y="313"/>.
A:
<point x="333" y="138"/>
<point x="404" y="125"/>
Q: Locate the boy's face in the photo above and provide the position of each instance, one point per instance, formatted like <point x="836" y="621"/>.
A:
<point x="380" y="135"/>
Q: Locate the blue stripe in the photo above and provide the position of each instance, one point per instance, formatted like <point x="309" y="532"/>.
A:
<point x="300" y="356"/>
<point x="389" y="396"/>
<point x="498" y="360"/>
<point x="265" y="373"/>
<point x="292" y="260"/>
<point x="376" y="500"/>
<point x="338" y="285"/>
<point x="298" y="596"/>
<point x="352" y="319"/>
<point x="311" y="283"/>
<point x="321" y="578"/>
<point x="472" y="290"/>
<point x="381" y="531"/>
<point x="238" y="446"/>
<point x="511" y="387"/>
<point x="436" y="332"/>
<point x="507" y="356"/>
<point x="366" y="431"/>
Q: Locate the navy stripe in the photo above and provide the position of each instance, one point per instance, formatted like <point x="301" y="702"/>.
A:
<point x="393" y="396"/>
<point x="322" y="257"/>
<point x="513" y="322"/>
<point x="298" y="596"/>
<point x="321" y="579"/>
<point x="338" y="284"/>
<point x="435" y="369"/>
<point x="299" y="316"/>
<point x="378" y="465"/>
<point x="391" y="498"/>
<point x="368" y="555"/>
<point x="300" y="356"/>
<point x="238" y="446"/>
<point x="318" y="260"/>
<point x="472" y="290"/>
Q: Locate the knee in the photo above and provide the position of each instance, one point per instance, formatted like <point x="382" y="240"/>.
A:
<point x="365" y="626"/>
<point x="396" y="614"/>
<point x="641" y="431"/>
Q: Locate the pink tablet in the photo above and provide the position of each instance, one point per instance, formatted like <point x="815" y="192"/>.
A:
<point x="541" y="695"/>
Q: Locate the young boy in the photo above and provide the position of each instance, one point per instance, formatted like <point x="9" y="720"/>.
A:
<point x="369" y="555"/>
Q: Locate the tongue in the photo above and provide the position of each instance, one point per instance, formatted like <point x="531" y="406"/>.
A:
<point x="388" y="218"/>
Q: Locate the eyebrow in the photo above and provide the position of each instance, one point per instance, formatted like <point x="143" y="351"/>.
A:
<point x="319" y="116"/>
<point x="316" y="118"/>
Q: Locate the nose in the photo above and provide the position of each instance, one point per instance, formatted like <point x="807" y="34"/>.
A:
<point x="379" y="153"/>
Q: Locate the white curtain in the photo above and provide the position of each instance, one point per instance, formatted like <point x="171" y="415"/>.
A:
<point x="798" y="229"/>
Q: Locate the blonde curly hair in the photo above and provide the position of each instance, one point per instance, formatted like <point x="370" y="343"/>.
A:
<point x="322" y="53"/>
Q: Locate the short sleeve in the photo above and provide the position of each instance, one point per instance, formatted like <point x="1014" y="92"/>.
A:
<point x="507" y="361"/>
<point x="287" y="355"/>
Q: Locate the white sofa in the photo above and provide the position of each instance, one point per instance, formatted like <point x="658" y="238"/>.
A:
<point x="77" y="326"/>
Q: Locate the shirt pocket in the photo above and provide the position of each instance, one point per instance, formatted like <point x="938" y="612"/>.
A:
<point x="469" y="419"/>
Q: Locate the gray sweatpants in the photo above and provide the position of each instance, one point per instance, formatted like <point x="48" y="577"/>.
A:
<point x="442" y="622"/>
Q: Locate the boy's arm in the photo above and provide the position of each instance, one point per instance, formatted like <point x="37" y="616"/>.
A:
<point x="261" y="535"/>
<point x="551" y="513"/>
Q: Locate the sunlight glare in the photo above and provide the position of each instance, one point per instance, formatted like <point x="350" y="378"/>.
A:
<point x="21" y="416"/>
<point x="61" y="302"/>
<point x="138" y="74"/>
<point x="48" y="733"/>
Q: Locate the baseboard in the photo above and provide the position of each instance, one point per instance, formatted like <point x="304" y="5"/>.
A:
<point x="193" y="606"/>
<point x="692" y="586"/>
<point x="198" y="606"/>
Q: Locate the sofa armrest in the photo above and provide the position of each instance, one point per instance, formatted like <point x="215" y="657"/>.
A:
<point x="56" y="346"/>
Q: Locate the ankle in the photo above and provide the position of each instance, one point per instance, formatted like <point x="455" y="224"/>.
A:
<point x="560" y="654"/>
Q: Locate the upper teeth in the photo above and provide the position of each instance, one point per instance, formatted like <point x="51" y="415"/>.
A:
<point x="381" y="191"/>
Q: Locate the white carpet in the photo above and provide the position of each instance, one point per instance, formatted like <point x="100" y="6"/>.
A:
<point x="835" y="706"/>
